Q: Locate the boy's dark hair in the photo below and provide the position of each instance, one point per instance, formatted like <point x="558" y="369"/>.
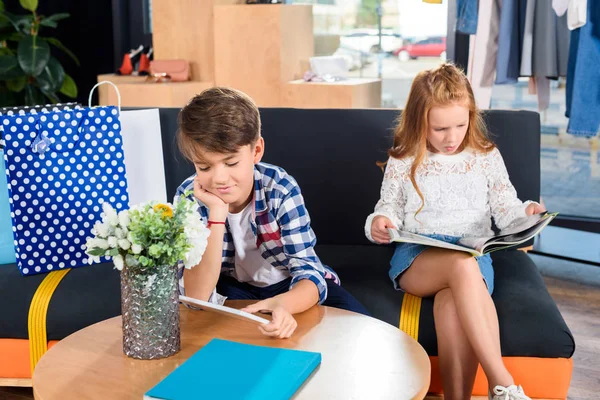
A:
<point x="219" y="120"/>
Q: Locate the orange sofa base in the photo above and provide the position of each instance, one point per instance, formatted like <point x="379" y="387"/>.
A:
<point x="541" y="378"/>
<point x="14" y="358"/>
<point x="546" y="378"/>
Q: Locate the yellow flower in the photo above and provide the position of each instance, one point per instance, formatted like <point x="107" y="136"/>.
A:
<point x="164" y="209"/>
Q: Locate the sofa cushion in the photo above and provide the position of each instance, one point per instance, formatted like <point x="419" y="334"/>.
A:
<point x="530" y="323"/>
<point x="83" y="297"/>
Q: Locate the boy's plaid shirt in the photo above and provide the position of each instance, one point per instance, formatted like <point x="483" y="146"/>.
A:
<point x="281" y="225"/>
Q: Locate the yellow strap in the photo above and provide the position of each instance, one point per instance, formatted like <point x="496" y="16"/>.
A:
<point x="409" y="315"/>
<point x="38" y="341"/>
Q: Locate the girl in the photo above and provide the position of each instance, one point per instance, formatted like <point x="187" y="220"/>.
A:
<point x="446" y="179"/>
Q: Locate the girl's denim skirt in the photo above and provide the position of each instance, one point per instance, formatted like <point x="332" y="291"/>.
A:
<point x="406" y="253"/>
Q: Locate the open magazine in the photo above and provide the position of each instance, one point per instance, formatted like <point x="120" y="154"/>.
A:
<point x="518" y="232"/>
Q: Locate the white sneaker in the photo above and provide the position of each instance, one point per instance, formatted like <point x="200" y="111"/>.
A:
<point x="511" y="392"/>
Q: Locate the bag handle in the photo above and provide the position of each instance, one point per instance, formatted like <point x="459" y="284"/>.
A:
<point x="101" y="83"/>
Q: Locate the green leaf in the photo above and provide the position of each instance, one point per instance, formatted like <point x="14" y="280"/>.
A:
<point x="5" y="51"/>
<point x="2" y="8"/>
<point x="113" y="252"/>
<point x="52" y="77"/>
<point x="52" y="20"/>
<point x="33" y="55"/>
<point x="52" y="97"/>
<point x="19" y="22"/>
<point x="69" y="88"/>
<point x="33" y="96"/>
<point x="16" y="84"/>
<point x="12" y="36"/>
<point x="30" y="5"/>
<point x="9" y="67"/>
<point x="58" y="44"/>
<point x="96" y="251"/>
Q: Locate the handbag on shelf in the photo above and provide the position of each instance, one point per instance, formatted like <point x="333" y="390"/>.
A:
<point x="169" y="70"/>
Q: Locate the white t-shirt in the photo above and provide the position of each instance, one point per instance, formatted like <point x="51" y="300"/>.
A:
<point x="250" y="266"/>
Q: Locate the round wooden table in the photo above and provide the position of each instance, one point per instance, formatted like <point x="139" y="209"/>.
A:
<point x="362" y="357"/>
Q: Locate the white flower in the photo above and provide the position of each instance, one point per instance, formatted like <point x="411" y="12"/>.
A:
<point x="110" y="215"/>
<point x="101" y="229"/>
<point x="112" y="241"/>
<point x="124" y="219"/>
<point x="97" y="242"/>
<point x="93" y="259"/>
<point x="197" y="235"/>
<point x="130" y="237"/>
<point x="124" y="244"/>
<point x="119" y="233"/>
<point x="118" y="261"/>
<point x="136" y="248"/>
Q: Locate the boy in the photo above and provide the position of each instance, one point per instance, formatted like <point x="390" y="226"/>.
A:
<point x="261" y="245"/>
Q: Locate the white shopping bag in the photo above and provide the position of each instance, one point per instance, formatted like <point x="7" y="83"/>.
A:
<point x="142" y="145"/>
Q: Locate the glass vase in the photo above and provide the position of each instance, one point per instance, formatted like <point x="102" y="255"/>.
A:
<point x="150" y="312"/>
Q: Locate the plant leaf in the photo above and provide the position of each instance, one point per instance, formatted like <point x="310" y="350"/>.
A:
<point x="16" y="84"/>
<point x="9" y="67"/>
<point x="52" y="20"/>
<point x="30" y="5"/>
<point x="53" y="97"/>
<point x="33" y="96"/>
<point x="11" y="36"/>
<point x="33" y="55"/>
<point x="19" y="22"/>
<point x="58" y="44"/>
<point x="52" y="77"/>
<point x="49" y="23"/>
<point x="96" y="251"/>
<point x="5" y="51"/>
<point x="69" y="88"/>
<point x="2" y="8"/>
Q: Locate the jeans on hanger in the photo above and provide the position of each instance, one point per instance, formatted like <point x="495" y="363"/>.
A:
<point x="583" y="76"/>
<point x="466" y="18"/>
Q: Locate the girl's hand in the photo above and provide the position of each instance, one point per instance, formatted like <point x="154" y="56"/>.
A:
<point x="379" y="229"/>
<point x="281" y="326"/>
<point x="534" y="208"/>
<point x="217" y="207"/>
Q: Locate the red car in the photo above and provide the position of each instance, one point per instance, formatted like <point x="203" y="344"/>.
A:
<point x="430" y="47"/>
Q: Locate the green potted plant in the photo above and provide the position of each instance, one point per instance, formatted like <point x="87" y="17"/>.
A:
<point x="29" y="74"/>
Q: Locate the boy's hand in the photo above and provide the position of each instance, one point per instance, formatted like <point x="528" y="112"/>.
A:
<point x="281" y="326"/>
<point x="534" y="208"/>
<point x="214" y="203"/>
<point x="379" y="229"/>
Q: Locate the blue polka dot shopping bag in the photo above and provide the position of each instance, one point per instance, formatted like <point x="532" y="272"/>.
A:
<point x="61" y="166"/>
<point x="7" y="248"/>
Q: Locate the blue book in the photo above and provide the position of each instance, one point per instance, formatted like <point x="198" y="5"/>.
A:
<point x="230" y="370"/>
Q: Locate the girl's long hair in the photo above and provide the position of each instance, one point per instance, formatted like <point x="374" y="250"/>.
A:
<point x="443" y="86"/>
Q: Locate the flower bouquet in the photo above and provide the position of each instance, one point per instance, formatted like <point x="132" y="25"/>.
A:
<point x="147" y="243"/>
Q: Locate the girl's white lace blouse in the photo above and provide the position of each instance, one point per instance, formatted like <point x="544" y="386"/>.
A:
<point x="462" y="193"/>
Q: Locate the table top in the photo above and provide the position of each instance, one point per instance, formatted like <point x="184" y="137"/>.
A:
<point x="362" y="357"/>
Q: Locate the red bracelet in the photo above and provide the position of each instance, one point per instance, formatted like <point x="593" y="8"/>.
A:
<point x="210" y="223"/>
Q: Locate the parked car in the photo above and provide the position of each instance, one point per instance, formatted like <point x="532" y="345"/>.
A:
<point x="367" y="40"/>
<point x="430" y="47"/>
